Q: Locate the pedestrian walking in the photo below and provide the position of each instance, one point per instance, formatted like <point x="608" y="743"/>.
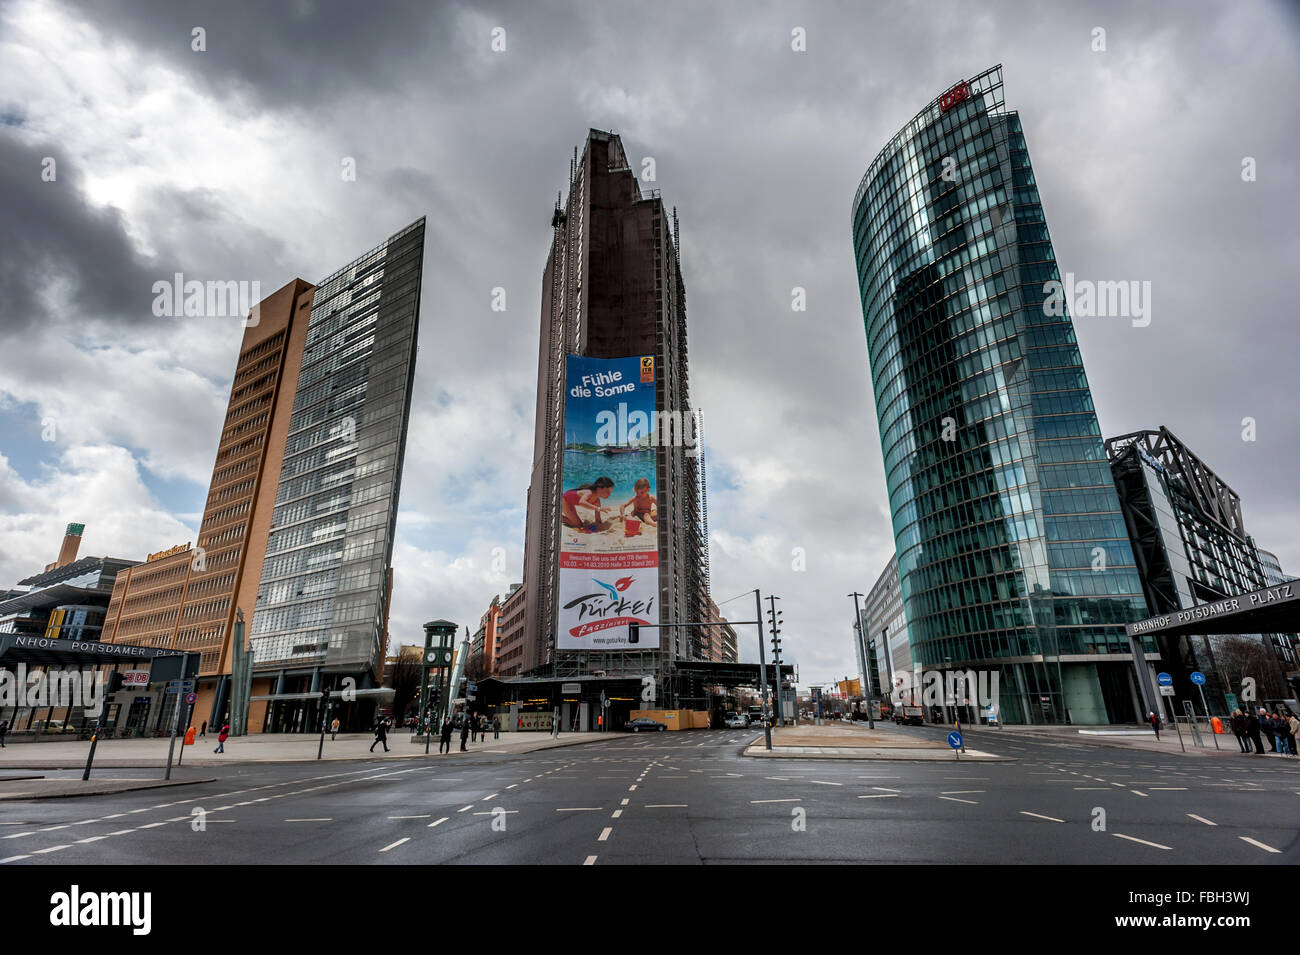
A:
<point x="381" y="735"/>
<point x="1155" y="724"/>
<point x="334" y="729"/>
<point x="496" y="728"/>
<point x="1293" y="727"/>
<point x="464" y="733"/>
<point x="203" y="730"/>
<point x="4" y="731"/>
<point x="1252" y="730"/>
<point x="444" y="739"/>
<point x="222" y="737"/>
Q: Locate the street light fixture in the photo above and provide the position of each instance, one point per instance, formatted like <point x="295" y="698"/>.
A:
<point x="866" y="656"/>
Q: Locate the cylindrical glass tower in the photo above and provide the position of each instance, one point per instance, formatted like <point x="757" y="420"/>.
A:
<point x="1012" y="551"/>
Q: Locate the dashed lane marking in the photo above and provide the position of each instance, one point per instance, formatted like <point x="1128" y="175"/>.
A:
<point x="604" y="834"/>
<point x="394" y="845"/>
<point x="1257" y="844"/>
<point x="1154" y="845"/>
<point x="1039" y="815"/>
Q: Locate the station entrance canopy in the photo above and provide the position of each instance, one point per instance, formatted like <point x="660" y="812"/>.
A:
<point x="1271" y="610"/>
<point x="18" y="648"/>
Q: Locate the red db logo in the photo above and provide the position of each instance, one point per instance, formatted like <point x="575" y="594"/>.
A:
<point x="954" y="96"/>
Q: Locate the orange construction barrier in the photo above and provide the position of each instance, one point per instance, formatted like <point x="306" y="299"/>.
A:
<point x="189" y="736"/>
<point x="1217" y="724"/>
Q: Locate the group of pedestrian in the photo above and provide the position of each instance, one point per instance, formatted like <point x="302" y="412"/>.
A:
<point x="1282" y="731"/>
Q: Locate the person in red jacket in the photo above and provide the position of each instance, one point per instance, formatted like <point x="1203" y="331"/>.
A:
<point x="221" y="738"/>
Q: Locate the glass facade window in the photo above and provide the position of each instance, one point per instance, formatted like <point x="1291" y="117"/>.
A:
<point x="324" y="579"/>
<point x="1010" y="541"/>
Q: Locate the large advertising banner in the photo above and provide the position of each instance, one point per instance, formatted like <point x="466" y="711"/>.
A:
<point x="609" y="508"/>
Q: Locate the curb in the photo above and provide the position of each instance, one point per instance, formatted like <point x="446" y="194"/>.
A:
<point x="204" y="763"/>
<point x="135" y="787"/>
<point x="976" y="756"/>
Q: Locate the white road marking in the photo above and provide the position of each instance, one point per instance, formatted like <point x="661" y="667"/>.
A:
<point x="666" y="805"/>
<point x="820" y="782"/>
<point x="16" y="858"/>
<point x="625" y="802"/>
<point x="617" y="813"/>
<point x="437" y="822"/>
<point x="756" y="801"/>
<point x="581" y="809"/>
<point x="1258" y="844"/>
<point x="1202" y="819"/>
<point x="955" y="799"/>
<point x="1038" y="815"/>
<point x="57" y="848"/>
<point x="886" y="789"/>
<point x="1171" y="789"/>
<point x="880" y="796"/>
<point x="492" y="796"/>
<point x="91" y="839"/>
<point x="321" y="819"/>
<point x="604" y="834"/>
<point x="466" y="808"/>
<point x="394" y="845"/>
<point x="591" y="860"/>
<point x="1154" y="845"/>
<point x="425" y="816"/>
<point x="1138" y="792"/>
<point x="959" y="792"/>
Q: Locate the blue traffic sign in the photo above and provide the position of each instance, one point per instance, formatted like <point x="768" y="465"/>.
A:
<point x="1198" y="677"/>
<point x="954" y="739"/>
<point x="1164" y="679"/>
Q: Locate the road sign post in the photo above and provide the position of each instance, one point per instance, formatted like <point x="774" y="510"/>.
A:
<point x="957" y="744"/>
<point x="175" y="687"/>
<point x="1199" y="679"/>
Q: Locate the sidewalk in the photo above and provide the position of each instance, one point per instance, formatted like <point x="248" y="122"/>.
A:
<point x="1124" y="737"/>
<point x="848" y="741"/>
<point x="266" y="748"/>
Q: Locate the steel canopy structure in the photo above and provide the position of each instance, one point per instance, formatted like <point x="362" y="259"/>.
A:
<point x="1270" y="610"/>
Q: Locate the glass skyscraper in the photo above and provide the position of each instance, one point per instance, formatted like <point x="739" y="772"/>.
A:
<point x="322" y="605"/>
<point x="1012" y="551"/>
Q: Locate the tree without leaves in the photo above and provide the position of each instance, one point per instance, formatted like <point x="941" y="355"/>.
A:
<point x="406" y="685"/>
<point x="1241" y="656"/>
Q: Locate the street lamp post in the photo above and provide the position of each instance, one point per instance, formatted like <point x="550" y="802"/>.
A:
<point x="762" y="662"/>
<point x="866" y="656"/>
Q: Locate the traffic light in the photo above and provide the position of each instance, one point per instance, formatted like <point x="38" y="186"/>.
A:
<point x="114" y="682"/>
<point x="633" y="632"/>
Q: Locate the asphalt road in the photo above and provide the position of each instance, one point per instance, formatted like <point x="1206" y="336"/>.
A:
<point x="692" y="798"/>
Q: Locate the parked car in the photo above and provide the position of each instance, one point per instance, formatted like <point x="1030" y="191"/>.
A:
<point x="644" y="723"/>
<point x="736" y="721"/>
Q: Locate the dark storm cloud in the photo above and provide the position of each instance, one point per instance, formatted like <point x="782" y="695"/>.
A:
<point x="306" y="54"/>
<point x="54" y="238"/>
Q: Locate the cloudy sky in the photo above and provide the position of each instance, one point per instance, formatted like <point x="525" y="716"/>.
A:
<point x="225" y="164"/>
